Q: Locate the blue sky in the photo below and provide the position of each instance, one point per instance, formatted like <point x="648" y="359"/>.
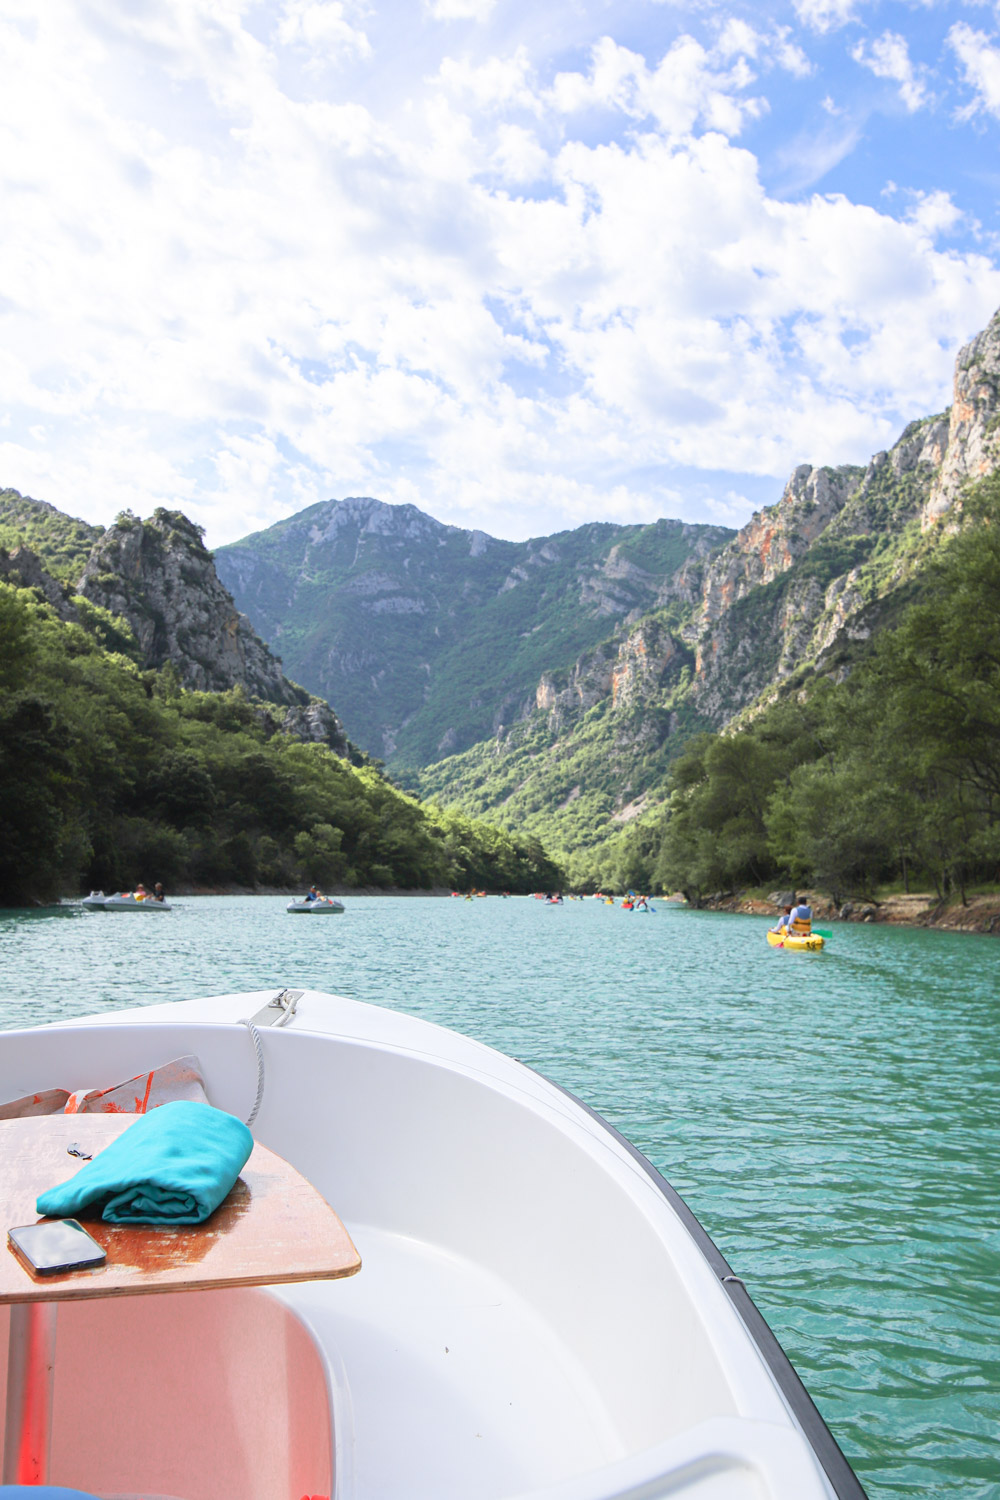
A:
<point x="524" y="267"/>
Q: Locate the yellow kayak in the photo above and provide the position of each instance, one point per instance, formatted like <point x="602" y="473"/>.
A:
<point x="811" y="944"/>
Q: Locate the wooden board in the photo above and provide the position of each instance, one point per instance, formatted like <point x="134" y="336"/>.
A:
<point x="273" y="1227"/>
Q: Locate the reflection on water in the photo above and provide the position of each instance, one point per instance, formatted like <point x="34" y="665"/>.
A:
<point x="833" y="1119"/>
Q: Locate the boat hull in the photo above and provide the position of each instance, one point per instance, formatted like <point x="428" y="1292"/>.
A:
<point x="811" y="944"/>
<point x="124" y="903"/>
<point x="314" y="908"/>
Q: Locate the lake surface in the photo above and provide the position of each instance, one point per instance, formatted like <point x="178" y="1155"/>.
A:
<point x="833" y="1119"/>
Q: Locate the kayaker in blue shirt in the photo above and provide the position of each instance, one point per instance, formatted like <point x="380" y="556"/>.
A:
<point x="796" y="919"/>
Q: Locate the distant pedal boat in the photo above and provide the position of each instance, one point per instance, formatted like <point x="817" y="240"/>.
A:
<point x="123" y="901"/>
<point x="322" y="903"/>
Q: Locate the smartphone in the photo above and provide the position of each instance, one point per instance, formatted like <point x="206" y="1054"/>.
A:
<point x="55" y="1245"/>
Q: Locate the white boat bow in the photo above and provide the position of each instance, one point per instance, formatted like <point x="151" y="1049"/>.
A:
<point x="537" y="1313"/>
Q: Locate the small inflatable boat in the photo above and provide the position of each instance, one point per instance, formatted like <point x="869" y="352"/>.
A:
<point x="322" y="903"/>
<point x="806" y="943"/>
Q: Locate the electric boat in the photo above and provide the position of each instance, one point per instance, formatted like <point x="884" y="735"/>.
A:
<point x="538" y="1315"/>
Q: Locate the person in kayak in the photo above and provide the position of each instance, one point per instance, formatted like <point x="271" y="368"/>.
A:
<point x="800" y="922"/>
<point x="796" y="920"/>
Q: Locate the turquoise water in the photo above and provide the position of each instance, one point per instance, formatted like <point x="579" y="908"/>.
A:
<point x="833" y="1119"/>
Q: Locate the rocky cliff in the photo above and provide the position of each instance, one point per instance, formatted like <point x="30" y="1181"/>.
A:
<point x="158" y="576"/>
<point x="972" y="445"/>
<point x="803" y="579"/>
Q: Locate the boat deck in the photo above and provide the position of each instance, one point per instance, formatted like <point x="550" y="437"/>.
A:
<point x="531" y="1318"/>
<point x="448" y="1375"/>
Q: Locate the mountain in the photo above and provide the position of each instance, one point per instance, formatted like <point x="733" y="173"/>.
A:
<point x="429" y="637"/>
<point x="800" y="591"/>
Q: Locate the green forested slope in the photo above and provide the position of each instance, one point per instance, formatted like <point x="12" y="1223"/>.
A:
<point x="63" y="543"/>
<point x="109" y="775"/>
<point x="890" y="775"/>
<point x="569" y="787"/>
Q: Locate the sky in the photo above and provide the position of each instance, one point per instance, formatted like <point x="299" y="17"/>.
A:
<point x="523" y="265"/>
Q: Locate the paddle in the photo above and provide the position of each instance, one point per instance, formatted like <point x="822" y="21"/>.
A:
<point x="823" y="932"/>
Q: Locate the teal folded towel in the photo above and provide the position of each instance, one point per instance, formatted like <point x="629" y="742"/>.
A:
<point x="173" y="1166"/>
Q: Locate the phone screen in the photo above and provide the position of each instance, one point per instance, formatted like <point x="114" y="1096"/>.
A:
<point x="56" y="1245"/>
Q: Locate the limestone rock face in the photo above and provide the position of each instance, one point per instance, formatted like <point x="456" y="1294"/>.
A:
<point x="23" y="568"/>
<point x="775" y="538"/>
<point x="316" y="723"/>
<point x="566" y="696"/>
<point x="643" y="666"/>
<point x="159" y="576"/>
<point x="973" y="443"/>
<point x="788" y="590"/>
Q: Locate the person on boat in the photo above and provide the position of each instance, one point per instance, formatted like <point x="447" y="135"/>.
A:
<point x="800" y="920"/>
<point x="313" y="893"/>
<point x="157" y="893"/>
<point x="796" y="920"/>
<point x="141" y="893"/>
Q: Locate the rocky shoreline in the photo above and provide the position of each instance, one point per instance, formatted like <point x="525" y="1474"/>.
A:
<point x="981" y="913"/>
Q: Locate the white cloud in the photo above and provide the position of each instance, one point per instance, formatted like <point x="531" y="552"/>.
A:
<point x="691" y="85"/>
<point x="889" y="57"/>
<point x="737" y="37"/>
<point x="791" y="57"/>
<point x="807" y="158"/>
<point x="935" y="213"/>
<point x="824" y="15"/>
<point x="322" y="26"/>
<point x="224" y="292"/>
<point x="460" y="10"/>
<point x="773" y="47"/>
<point x="504" y="82"/>
<point x="981" y="64"/>
<point x="730" y="509"/>
<point x="518" y="157"/>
